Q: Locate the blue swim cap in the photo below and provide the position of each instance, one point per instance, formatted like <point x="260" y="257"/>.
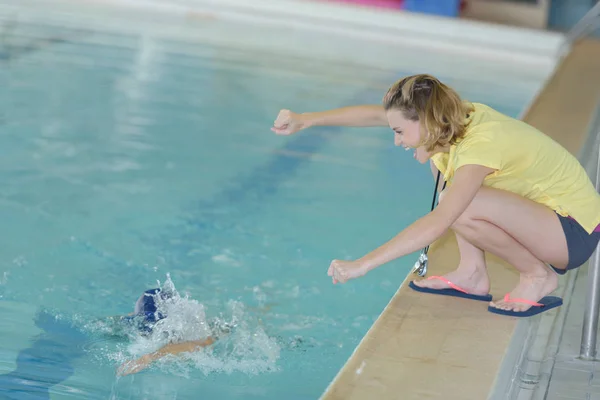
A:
<point x="146" y="305"/>
<point x="146" y="311"/>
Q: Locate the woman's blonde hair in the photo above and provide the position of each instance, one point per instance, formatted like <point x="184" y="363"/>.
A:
<point x="440" y="109"/>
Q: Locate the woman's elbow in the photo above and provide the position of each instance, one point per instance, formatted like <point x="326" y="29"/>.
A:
<point x="442" y="222"/>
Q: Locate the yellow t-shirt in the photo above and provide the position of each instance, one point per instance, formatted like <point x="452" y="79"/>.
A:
<point x="527" y="162"/>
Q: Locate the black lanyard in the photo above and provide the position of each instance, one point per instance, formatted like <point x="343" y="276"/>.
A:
<point x="433" y="201"/>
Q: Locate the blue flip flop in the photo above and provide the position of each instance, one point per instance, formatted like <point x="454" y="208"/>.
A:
<point x="453" y="290"/>
<point x="545" y="304"/>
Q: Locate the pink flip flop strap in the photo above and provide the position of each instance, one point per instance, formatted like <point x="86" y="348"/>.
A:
<point x="447" y="282"/>
<point x="525" y="301"/>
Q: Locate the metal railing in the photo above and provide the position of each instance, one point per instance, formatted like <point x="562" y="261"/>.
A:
<point x="589" y="334"/>
<point x="586" y="25"/>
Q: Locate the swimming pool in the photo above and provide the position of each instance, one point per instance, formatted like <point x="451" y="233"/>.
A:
<point x="130" y="160"/>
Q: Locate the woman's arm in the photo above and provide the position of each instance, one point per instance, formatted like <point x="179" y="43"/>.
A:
<point x="135" y="366"/>
<point x="288" y="122"/>
<point x="424" y="231"/>
<point x="362" y="115"/>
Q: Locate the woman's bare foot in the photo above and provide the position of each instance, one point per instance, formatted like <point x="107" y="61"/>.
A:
<point x="474" y="280"/>
<point x="531" y="287"/>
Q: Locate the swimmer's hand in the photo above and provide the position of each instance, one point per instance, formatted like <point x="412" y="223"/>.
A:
<point x="135" y="366"/>
<point x="288" y="122"/>
<point x="342" y="271"/>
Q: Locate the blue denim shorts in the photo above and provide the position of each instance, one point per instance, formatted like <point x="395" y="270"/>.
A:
<point x="580" y="244"/>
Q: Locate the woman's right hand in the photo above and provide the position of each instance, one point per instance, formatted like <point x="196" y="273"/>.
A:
<point x="288" y="122"/>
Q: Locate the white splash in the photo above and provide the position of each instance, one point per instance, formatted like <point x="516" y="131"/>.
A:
<point x="242" y="344"/>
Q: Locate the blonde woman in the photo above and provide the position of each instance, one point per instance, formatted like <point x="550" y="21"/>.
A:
<point x="511" y="191"/>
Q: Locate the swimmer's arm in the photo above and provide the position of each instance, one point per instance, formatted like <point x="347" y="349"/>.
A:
<point x="135" y="366"/>
<point x="361" y="115"/>
<point x="467" y="182"/>
<point x="184" y="347"/>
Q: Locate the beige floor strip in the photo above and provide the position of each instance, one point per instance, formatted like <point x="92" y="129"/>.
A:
<point x="438" y="347"/>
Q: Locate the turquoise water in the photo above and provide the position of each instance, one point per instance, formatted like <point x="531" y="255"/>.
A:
<point x="130" y="163"/>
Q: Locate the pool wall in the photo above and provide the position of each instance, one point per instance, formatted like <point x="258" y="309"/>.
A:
<point x="444" y="35"/>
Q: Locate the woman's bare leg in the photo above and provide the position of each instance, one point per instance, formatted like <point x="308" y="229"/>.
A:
<point x="523" y="233"/>
<point x="471" y="274"/>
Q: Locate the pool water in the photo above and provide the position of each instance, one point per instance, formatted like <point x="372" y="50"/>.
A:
<point x="131" y="163"/>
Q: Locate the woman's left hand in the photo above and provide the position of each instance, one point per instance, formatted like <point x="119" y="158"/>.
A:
<point x="342" y="271"/>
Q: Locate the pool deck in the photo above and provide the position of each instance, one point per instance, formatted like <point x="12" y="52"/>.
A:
<point x="437" y="347"/>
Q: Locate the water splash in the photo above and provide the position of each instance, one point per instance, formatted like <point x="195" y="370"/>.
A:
<point x="242" y="344"/>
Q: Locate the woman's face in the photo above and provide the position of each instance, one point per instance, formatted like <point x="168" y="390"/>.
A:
<point x="407" y="134"/>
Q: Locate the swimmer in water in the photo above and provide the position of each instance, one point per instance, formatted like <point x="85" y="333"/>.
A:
<point x="144" y="319"/>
